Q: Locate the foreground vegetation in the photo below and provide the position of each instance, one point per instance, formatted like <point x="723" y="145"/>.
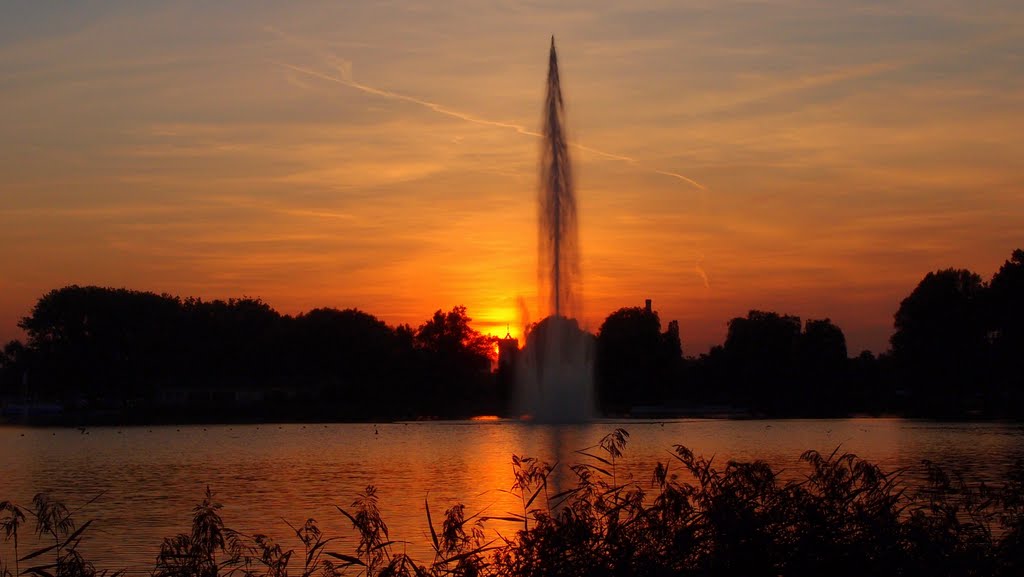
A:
<point x="844" y="516"/>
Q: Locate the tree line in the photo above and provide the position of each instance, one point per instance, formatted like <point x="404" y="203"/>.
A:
<point x="122" y="350"/>
<point x="957" y="349"/>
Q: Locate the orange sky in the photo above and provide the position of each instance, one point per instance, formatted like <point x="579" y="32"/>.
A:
<point x="811" y="158"/>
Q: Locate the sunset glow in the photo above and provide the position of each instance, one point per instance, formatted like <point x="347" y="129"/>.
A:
<point x="815" y="159"/>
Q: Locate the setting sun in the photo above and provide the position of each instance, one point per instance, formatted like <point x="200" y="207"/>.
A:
<point x="260" y="260"/>
<point x="354" y="157"/>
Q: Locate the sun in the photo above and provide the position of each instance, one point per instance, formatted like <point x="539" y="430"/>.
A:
<point x="498" y="322"/>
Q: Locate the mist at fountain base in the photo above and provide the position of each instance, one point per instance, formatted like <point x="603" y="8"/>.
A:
<point x="555" y="375"/>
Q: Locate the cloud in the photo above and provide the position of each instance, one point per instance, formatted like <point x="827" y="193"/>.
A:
<point x="321" y="214"/>
<point x="438" y="108"/>
<point x="345" y="78"/>
<point x="701" y="273"/>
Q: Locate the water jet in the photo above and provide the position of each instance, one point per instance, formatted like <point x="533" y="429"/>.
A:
<point x="555" y="373"/>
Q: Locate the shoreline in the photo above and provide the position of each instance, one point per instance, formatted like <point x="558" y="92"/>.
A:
<point x="80" y="421"/>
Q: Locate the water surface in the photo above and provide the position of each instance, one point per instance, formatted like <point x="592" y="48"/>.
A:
<point x="149" y="478"/>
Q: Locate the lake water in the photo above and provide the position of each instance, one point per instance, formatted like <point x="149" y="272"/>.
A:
<point x="149" y="478"/>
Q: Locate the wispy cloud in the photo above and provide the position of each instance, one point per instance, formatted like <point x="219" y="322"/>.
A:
<point x="345" y="78"/>
<point x="851" y="148"/>
<point x="701" y="272"/>
<point x="322" y="214"/>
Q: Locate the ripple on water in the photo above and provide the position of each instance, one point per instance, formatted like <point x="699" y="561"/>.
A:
<point x="149" y="478"/>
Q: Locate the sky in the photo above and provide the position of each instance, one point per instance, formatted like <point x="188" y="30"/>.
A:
<point x="808" y="157"/>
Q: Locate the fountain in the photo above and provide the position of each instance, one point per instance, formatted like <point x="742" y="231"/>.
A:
<point x="555" y="373"/>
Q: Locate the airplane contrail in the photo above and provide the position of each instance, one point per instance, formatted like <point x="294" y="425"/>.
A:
<point x="681" y="177"/>
<point x="441" y="109"/>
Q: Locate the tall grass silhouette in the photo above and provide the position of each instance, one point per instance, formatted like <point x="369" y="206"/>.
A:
<point x="843" y="516"/>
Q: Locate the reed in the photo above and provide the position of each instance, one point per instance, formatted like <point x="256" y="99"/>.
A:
<point x="843" y="517"/>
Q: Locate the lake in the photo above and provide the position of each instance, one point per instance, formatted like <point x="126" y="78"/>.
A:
<point x="149" y="478"/>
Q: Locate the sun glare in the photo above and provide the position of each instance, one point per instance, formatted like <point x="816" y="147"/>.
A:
<point x="498" y="322"/>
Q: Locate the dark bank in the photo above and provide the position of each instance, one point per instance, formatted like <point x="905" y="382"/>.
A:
<point x="100" y="355"/>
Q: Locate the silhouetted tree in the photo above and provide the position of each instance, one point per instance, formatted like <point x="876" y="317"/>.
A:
<point x="864" y="378"/>
<point x="1005" y="315"/>
<point x="233" y="342"/>
<point x="628" y="347"/>
<point x="823" y="345"/>
<point x="958" y="345"/>
<point x="107" y="347"/>
<point x="762" y="354"/>
<point x="8" y="367"/>
<point x="100" y="342"/>
<point x="940" y="343"/>
<point x="351" y="354"/>
<point x="457" y="359"/>
<point x="671" y="359"/>
<point x="450" y="333"/>
<point x="707" y="378"/>
<point x="823" y="365"/>
<point x="636" y="362"/>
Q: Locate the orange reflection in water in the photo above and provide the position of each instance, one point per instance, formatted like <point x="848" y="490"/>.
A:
<point x="150" y="478"/>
